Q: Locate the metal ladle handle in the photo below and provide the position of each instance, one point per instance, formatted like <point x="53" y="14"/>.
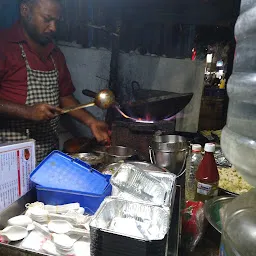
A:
<point x="152" y="155"/>
<point x="74" y="108"/>
<point x="183" y="168"/>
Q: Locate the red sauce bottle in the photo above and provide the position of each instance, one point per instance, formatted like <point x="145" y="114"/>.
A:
<point x="207" y="175"/>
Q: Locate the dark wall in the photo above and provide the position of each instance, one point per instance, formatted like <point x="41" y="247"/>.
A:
<point x="162" y="27"/>
<point x="9" y="13"/>
<point x="197" y="12"/>
<point x="169" y="27"/>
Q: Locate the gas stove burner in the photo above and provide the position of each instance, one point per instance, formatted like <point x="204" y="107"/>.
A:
<point x="163" y="126"/>
<point x="139" y="135"/>
<point x="147" y="120"/>
<point x="139" y="120"/>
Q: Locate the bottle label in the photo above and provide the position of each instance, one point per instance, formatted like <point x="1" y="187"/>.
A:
<point x="222" y="250"/>
<point x="207" y="189"/>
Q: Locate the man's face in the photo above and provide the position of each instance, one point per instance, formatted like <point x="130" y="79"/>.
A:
<point x="40" y="20"/>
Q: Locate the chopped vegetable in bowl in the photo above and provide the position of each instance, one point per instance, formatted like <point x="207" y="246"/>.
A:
<point x="232" y="181"/>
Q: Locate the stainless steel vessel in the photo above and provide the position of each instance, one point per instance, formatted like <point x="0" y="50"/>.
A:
<point x="92" y="159"/>
<point x="170" y="152"/>
<point x="115" y="154"/>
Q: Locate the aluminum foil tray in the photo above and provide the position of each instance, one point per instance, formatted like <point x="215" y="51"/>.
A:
<point x="132" y="219"/>
<point x="139" y="184"/>
<point x="220" y="159"/>
<point x="169" y="179"/>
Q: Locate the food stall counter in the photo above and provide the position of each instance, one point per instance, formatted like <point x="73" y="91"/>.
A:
<point x="18" y="208"/>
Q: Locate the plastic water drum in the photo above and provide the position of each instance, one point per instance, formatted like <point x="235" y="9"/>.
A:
<point x="238" y="139"/>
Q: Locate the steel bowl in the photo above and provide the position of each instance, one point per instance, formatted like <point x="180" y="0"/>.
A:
<point x="213" y="208"/>
<point x="115" y="154"/>
<point x="92" y="159"/>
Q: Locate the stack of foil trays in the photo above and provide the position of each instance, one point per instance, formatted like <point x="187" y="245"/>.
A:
<point x="136" y="220"/>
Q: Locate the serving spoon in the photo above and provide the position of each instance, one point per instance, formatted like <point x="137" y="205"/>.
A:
<point x="61" y="241"/>
<point x="14" y="233"/>
<point x="64" y="227"/>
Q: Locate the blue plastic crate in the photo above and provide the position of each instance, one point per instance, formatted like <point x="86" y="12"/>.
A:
<point x="90" y="202"/>
<point x="60" y="179"/>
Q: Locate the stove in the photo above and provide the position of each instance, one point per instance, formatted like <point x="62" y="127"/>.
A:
<point x="134" y="125"/>
<point x="138" y="135"/>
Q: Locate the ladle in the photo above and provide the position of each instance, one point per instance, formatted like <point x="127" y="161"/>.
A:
<point x="14" y="233"/>
<point x="104" y="99"/>
<point x="64" y="227"/>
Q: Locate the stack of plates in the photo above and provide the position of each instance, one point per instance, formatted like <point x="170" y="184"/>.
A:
<point x="39" y="215"/>
<point x="64" y="245"/>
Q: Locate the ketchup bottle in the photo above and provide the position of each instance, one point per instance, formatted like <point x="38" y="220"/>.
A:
<point x="207" y="175"/>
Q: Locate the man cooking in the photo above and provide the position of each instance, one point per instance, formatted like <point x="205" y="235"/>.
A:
<point x="35" y="81"/>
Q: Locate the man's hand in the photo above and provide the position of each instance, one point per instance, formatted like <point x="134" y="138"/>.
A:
<point x="100" y="131"/>
<point x="43" y="112"/>
<point x="98" y="128"/>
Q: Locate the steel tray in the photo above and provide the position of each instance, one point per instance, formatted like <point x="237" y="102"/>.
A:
<point x="18" y="208"/>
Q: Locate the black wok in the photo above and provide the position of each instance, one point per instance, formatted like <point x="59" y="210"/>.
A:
<point x="152" y="104"/>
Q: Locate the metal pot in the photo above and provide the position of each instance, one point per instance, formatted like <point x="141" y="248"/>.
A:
<point x="158" y="104"/>
<point x="115" y="154"/>
<point x="170" y="152"/>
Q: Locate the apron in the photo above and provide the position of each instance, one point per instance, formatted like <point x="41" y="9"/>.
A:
<point x="43" y="87"/>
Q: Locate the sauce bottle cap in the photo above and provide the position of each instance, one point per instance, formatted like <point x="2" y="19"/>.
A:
<point x="209" y="147"/>
<point x="196" y="147"/>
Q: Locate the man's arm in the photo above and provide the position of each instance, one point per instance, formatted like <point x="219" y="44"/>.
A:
<point x="98" y="128"/>
<point x="37" y="112"/>
<point x="81" y="115"/>
<point x="8" y="108"/>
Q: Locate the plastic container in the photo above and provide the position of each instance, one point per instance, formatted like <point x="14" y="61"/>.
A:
<point x="238" y="139"/>
<point x="239" y="226"/>
<point x="192" y="165"/>
<point x="60" y="179"/>
<point x="207" y="175"/>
